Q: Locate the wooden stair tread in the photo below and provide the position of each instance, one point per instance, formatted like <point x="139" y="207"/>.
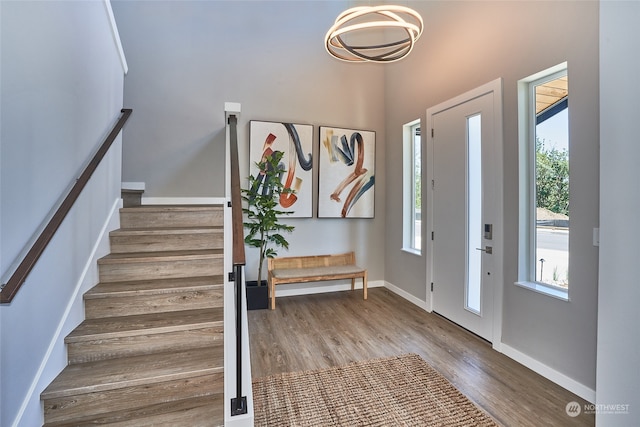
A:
<point x="171" y="208"/>
<point x="167" y="230"/>
<point x="145" y="324"/>
<point x="150" y="351"/>
<point x="151" y="287"/>
<point x="155" y="216"/>
<point x="136" y="370"/>
<point x="198" y="411"/>
<point x="119" y="258"/>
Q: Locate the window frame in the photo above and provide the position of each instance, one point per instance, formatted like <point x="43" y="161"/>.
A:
<point x="409" y="187"/>
<point x="527" y="182"/>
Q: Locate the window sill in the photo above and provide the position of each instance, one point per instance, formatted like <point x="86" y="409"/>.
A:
<point x="541" y="288"/>
<point x="412" y="251"/>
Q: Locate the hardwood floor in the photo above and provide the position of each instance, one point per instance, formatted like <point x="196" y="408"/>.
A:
<point x="318" y="331"/>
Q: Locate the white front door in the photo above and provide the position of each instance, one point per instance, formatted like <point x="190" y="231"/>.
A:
<point x="465" y="208"/>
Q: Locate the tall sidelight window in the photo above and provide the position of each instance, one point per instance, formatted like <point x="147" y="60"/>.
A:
<point x="412" y="188"/>
<point x="473" y="288"/>
<point x="544" y="182"/>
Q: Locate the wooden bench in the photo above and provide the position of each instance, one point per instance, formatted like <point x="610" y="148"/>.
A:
<point x="314" y="268"/>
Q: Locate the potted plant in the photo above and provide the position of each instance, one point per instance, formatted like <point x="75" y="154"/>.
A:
<point x="263" y="220"/>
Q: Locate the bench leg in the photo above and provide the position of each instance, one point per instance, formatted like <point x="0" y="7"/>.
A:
<point x="272" y="295"/>
<point x="364" y="285"/>
<point x="353" y="283"/>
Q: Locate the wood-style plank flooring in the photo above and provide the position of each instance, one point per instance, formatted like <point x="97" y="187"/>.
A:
<point x="323" y="330"/>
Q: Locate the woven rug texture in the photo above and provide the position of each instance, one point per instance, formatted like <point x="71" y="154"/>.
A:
<point x="396" y="391"/>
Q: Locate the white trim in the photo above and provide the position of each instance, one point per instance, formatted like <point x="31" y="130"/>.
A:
<point x="140" y="186"/>
<point x="408" y="186"/>
<point x="546" y="73"/>
<point x="540" y="368"/>
<point x="184" y="200"/>
<point x="411" y="251"/>
<point x="498" y="290"/>
<point x="526" y="181"/>
<point x="112" y="222"/>
<point x="296" y="289"/>
<point x="232" y="108"/>
<point x="409" y="297"/>
<point x="313" y="288"/>
<point x="116" y="36"/>
<point x="551" y="374"/>
<point x="544" y="289"/>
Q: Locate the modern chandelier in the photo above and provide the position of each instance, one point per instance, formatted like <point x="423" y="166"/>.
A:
<point x="406" y="25"/>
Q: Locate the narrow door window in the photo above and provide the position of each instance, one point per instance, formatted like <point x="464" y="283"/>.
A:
<point x="474" y="214"/>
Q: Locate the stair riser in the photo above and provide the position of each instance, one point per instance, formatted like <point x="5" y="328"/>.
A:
<point x="144" y="219"/>
<point x="160" y="269"/>
<point x="209" y="413"/>
<point x="121" y="243"/>
<point x="102" y="349"/>
<point x="146" y="304"/>
<point x="165" y="366"/>
<point x="79" y="409"/>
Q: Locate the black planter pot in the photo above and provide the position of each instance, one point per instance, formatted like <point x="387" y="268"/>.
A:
<point x="257" y="296"/>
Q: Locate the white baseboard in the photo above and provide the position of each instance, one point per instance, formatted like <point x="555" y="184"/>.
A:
<point x="86" y="280"/>
<point x="313" y="288"/>
<point x="139" y="186"/>
<point x="549" y="373"/>
<point x="183" y="200"/>
<point x="406" y="295"/>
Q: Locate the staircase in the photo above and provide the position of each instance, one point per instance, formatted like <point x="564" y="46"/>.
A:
<point x="150" y="351"/>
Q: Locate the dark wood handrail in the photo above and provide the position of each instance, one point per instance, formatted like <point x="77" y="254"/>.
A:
<point x="18" y="277"/>
<point x="236" y="200"/>
<point x="239" y="403"/>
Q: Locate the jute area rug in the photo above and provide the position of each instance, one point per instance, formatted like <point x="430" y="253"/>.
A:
<point x="395" y="391"/>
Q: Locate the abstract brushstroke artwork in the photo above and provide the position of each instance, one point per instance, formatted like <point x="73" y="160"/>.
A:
<point x="296" y="142"/>
<point x="347" y="173"/>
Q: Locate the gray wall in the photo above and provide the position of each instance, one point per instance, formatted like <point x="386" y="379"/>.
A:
<point x="618" y="314"/>
<point x="188" y="58"/>
<point x="61" y="92"/>
<point x="60" y="77"/>
<point x="467" y="44"/>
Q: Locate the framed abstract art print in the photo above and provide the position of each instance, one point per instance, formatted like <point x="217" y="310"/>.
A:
<point x="346" y="173"/>
<point x="295" y="141"/>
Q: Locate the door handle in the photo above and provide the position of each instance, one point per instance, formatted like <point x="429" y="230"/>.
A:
<point x="487" y="249"/>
